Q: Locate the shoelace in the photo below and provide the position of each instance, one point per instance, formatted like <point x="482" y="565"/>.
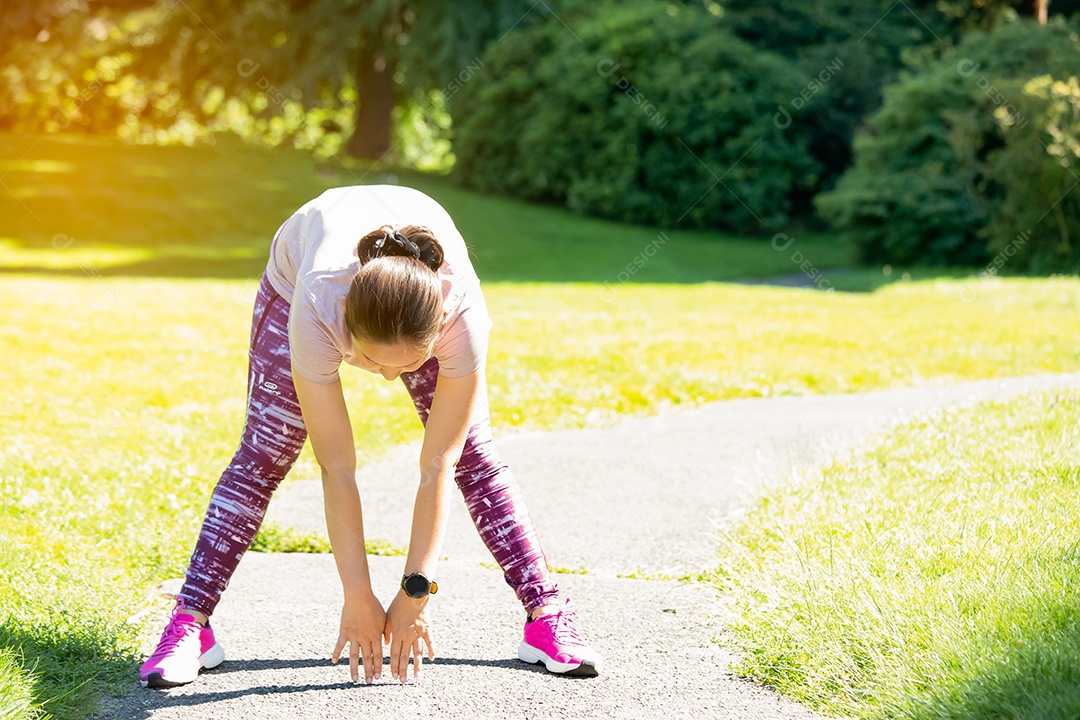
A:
<point x="174" y="631"/>
<point x="565" y="632"/>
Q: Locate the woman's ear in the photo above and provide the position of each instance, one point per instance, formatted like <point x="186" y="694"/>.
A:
<point x="342" y="302"/>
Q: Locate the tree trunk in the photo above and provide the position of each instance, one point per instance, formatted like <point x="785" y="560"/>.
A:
<point x="1041" y="10"/>
<point x="374" y="120"/>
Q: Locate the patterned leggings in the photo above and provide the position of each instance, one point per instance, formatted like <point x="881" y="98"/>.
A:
<point x="273" y="436"/>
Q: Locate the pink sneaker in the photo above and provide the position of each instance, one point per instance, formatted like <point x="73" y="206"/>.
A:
<point x="185" y="648"/>
<point x="554" y="640"/>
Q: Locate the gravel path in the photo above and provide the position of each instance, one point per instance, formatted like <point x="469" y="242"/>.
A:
<point x="647" y="495"/>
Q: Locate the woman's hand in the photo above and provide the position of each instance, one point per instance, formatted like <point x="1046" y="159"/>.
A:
<point x="362" y="622"/>
<point x="406" y="625"/>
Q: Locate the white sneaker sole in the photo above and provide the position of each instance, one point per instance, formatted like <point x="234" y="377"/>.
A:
<point x="209" y="659"/>
<point x="588" y="667"/>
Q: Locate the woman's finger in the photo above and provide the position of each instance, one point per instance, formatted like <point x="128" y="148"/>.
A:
<point x="418" y="658"/>
<point x="337" y="648"/>
<point x="354" y="660"/>
<point x="403" y="662"/>
<point x="395" y="644"/>
<point x="376" y="652"/>
<point x="430" y="646"/>
<point x="369" y="664"/>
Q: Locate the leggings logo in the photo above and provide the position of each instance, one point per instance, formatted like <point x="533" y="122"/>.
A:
<point x="270" y="387"/>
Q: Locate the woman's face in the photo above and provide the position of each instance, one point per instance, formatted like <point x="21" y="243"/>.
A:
<point x="388" y="360"/>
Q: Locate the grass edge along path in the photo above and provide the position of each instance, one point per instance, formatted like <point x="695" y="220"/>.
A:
<point x="164" y="374"/>
<point x="932" y="574"/>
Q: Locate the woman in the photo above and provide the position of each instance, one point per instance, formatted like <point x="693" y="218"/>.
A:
<point x="403" y="302"/>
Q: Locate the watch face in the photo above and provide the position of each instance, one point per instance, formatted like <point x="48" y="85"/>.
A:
<point x="416" y="586"/>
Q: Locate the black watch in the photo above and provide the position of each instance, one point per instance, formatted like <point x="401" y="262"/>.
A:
<point x="416" y="585"/>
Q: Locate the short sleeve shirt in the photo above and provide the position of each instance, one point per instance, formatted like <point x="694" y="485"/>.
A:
<point x="313" y="260"/>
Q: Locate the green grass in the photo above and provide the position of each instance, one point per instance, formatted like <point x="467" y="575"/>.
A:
<point x="864" y="280"/>
<point x="275" y="537"/>
<point x="123" y="386"/>
<point x="125" y="355"/>
<point x="564" y="570"/>
<point x="693" y="577"/>
<point x="931" y="575"/>
<point x="559" y="569"/>
<point x="16" y="685"/>
<point x="79" y="206"/>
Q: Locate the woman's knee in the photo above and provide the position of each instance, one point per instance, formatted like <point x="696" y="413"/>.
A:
<point x="269" y="451"/>
<point x="480" y="460"/>
<point x="271" y="442"/>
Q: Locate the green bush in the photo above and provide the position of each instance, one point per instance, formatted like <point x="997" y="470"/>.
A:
<point x="867" y="38"/>
<point x="944" y="172"/>
<point x="638" y="112"/>
<point x="1035" y="223"/>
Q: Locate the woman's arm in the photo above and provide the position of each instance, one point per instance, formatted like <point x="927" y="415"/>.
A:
<point x="362" y="617"/>
<point x="330" y="430"/>
<point x="444" y="438"/>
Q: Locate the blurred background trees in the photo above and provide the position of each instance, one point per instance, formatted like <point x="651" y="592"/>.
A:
<point x="971" y="149"/>
<point x="932" y="131"/>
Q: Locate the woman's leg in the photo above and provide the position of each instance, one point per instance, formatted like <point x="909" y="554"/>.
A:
<point x="494" y="500"/>
<point x="273" y="436"/>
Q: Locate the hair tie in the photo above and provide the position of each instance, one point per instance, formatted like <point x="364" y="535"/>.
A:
<point x="389" y="241"/>
<point x="405" y="244"/>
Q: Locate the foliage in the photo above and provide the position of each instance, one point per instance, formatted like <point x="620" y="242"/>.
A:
<point x="881" y="27"/>
<point x="888" y="27"/>
<point x="1035" y="221"/>
<point x="868" y="41"/>
<point x="929" y="173"/>
<point x="272" y="70"/>
<point x="643" y="112"/>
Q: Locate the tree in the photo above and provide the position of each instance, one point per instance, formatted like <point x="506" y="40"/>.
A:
<point x="26" y="19"/>
<point x="969" y="154"/>
<point x="637" y="115"/>
<point x="302" y="65"/>
<point x="384" y="51"/>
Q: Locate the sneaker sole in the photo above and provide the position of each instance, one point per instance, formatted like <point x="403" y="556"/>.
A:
<point x="207" y="661"/>
<point x="586" y="668"/>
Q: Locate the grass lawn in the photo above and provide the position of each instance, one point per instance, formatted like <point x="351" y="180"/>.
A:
<point x="931" y="575"/>
<point x="128" y="398"/>
<point x="125" y="353"/>
<point x="212" y="211"/>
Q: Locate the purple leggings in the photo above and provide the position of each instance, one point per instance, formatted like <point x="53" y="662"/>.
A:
<point x="273" y="436"/>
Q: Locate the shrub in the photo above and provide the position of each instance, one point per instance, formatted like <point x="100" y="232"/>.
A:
<point x="937" y="176"/>
<point x="1035" y="224"/>
<point x="868" y="38"/>
<point x="641" y="112"/>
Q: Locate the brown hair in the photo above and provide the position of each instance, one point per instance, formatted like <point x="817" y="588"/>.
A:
<point x="396" y="295"/>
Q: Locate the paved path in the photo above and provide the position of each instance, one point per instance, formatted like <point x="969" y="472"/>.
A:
<point x="647" y="496"/>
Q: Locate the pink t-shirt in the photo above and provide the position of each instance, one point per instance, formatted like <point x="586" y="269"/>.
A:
<point x="313" y="260"/>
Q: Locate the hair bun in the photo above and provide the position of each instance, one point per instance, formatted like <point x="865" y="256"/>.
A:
<point x="412" y="241"/>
